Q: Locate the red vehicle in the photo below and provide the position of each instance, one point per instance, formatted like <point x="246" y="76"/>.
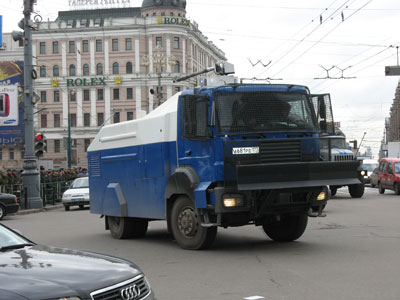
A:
<point x="389" y="175"/>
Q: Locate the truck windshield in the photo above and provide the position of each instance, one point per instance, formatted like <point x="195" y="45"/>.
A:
<point x="263" y="111"/>
<point x="336" y="143"/>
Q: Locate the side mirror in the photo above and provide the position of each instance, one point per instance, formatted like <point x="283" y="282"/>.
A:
<point x="224" y="68"/>
<point x="322" y="108"/>
<point x="323" y="126"/>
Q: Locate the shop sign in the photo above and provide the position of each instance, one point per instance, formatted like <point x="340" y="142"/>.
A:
<point x="173" y="21"/>
<point x="86" y="81"/>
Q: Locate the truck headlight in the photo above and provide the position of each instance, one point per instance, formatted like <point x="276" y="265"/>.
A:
<point x="363" y="173"/>
<point x="321" y="196"/>
<point x="233" y="200"/>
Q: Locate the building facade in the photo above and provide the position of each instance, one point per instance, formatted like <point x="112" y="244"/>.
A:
<point x="103" y="66"/>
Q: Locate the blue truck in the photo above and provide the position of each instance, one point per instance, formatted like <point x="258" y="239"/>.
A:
<point x="216" y="156"/>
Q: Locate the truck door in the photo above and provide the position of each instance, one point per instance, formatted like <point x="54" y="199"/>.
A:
<point x="323" y="112"/>
<point x="194" y="143"/>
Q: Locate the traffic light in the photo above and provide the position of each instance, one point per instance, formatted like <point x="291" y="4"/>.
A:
<point x="40" y="144"/>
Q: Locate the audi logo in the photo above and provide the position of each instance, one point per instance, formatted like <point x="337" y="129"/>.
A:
<point x="130" y="293"/>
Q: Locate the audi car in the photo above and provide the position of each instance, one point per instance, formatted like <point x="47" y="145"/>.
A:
<point x="29" y="271"/>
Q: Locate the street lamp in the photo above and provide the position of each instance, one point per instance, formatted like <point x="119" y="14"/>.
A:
<point x="70" y="93"/>
<point x="159" y="60"/>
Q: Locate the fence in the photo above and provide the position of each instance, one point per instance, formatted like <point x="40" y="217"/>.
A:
<point x="50" y="192"/>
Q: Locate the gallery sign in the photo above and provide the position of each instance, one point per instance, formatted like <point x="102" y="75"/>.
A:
<point x="96" y="81"/>
<point x="76" y="4"/>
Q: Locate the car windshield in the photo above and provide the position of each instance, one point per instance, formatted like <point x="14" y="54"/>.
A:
<point x="9" y="238"/>
<point x="80" y="183"/>
<point x="263" y="111"/>
<point x="370" y="167"/>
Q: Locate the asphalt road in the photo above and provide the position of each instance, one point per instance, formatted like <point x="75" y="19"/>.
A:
<point x="352" y="253"/>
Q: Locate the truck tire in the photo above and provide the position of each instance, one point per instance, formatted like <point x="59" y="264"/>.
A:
<point x="396" y="188"/>
<point x="288" y="228"/>
<point x="356" y="190"/>
<point x="2" y="212"/>
<point x="380" y="188"/>
<point x="333" y="191"/>
<point x="186" y="228"/>
<point x="125" y="228"/>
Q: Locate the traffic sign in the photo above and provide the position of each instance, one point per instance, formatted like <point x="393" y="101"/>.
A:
<point x="392" y="71"/>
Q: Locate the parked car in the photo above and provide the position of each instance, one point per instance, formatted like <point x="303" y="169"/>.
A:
<point x="35" y="272"/>
<point x="374" y="178"/>
<point x="389" y="175"/>
<point x="77" y="194"/>
<point x="368" y="166"/>
<point x="8" y="204"/>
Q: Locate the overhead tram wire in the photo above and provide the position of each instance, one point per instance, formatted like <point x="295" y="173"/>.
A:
<point x="316" y="43"/>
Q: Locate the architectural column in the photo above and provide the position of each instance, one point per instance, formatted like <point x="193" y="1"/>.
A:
<point x="64" y="99"/>
<point x="151" y="98"/>
<point x="168" y="54"/>
<point x="184" y="56"/>
<point x="64" y="58"/>
<point x="139" y="98"/>
<point x="137" y="56"/>
<point x="92" y="56"/>
<point x="78" y="57"/>
<point x="79" y="108"/>
<point x="107" y="105"/>
<point x="169" y="91"/>
<point x="192" y="57"/>
<point x="150" y="55"/>
<point x="93" y="112"/>
<point x="106" y="56"/>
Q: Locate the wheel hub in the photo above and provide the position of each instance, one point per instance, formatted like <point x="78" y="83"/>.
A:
<point x="187" y="222"/>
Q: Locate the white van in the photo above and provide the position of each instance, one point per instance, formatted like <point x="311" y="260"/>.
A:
<point x="368" y="166"/>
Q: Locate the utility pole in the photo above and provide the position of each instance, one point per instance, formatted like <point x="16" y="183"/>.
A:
<point x="30" y="175"/>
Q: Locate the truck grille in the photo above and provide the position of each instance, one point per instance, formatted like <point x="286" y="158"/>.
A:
<point x="280" y="151"/>
<point x="114" y="292"/>
<point x="349" y="157"/>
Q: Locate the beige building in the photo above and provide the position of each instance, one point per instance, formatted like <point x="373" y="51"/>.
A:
<point x="104" y="66"/>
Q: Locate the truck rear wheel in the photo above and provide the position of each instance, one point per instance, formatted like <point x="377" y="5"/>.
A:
<point x="186" y="228"/>
<point x="287" y="228"/>
<point x="125" y="228"/>
<point x="356" y="190"/>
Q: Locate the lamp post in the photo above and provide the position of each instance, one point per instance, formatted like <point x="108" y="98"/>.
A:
<point x="159" y="60"/>
<point x="70" y="93"/>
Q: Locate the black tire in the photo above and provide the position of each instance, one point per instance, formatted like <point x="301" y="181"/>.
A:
<point x="125" y="228"/>
<point x="186" y="228"/>
<point x="81" y="206"/>
<point x="396" y="189"/>
<point x="333" y="191"/>
<point x="356" y="190"/>
<point x="288" y="228"/>
<point x="66" y="207"/>
<point x="3" y="212"/>
<point x="381" y="189"/>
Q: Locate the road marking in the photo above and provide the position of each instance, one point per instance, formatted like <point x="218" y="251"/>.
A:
<point x="253" y="298"/>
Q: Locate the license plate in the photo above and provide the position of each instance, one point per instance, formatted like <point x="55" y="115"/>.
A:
<point x="77" y="199"/>
<point x="245" y="150"/>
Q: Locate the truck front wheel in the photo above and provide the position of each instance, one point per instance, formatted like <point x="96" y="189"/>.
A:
<point x="356" y="190"/>
<point x="286" y="228"/>
<point x="186" y="228"/>
<point x="125" y="228"/>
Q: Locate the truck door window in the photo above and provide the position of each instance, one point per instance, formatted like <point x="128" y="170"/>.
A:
<point x="397" y="168"/>
<point x="195" y="117"/>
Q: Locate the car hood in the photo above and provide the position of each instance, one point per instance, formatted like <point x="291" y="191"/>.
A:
<point x="41" y="272"/>
<point x="79" y="191"/>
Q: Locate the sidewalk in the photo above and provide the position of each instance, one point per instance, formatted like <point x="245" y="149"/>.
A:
<point x="38" y="210"/>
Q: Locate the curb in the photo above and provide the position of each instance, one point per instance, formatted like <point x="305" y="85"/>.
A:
<point x="37" y="210"/>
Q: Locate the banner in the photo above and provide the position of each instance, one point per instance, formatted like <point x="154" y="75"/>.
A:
<point x="11" y="105"/>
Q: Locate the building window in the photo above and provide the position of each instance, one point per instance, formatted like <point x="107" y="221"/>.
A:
<point x="115" y="68"/>
<point x="42" y="71"/>
<point x="115" y="45"/>
<point x="128" y="44"/>
<point x="87" y="144"/>
<point x="177" y="67"/>
<point x="100" y="94"/>
<point x="55" y="47"/>
<point x="129" y="115"/>
<point x="71" y="46"/>
<point x="57" y="145"/>
<point x="86" y="119"/>
<point x="129" y="69"/>
<point x="100" y="119"/>
<point x="72" y="96"/>
<point x="84" y="23"/>
<point x="159" y="42"/>
<point x="176" y="43"/>
<point x="85" y="45"/>
<point x="43" y="96"/>
<point x="129" y="93"/>
<point x="116" y="117"/>
<point x="97" y="22"/>
<point x="99" y="45"/>
<point x="85" y="69"/>
<point x="56" y="71"/>
<point x="57" y="120"/>
<point x="56" y="95"/>
<point x="43" y="121"/>
<point x="116" y="94"/>
<point x="86" y="95"/>
<point x="72" y="70"/>
<point x="11" y="152"/>
<point x="177" y="89"/>
<point x="42" y="48"/>
<point x="99" y="69"/>
<point x="73" y="120"/>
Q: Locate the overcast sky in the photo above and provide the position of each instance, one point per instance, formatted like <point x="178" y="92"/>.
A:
<point x="298" y="39"/>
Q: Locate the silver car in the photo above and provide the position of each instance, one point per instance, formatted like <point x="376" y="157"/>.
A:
<point x="77" y="194"/>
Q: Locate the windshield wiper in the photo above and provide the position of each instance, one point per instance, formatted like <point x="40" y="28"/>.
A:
<point x="17" y="246"/>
